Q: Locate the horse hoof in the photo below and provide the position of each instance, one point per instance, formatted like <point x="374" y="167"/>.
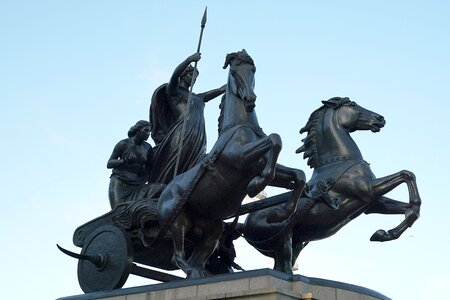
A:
<point x="255" y="186"/>
<point x="380" y="236"/>
<point x="196" y="273"/>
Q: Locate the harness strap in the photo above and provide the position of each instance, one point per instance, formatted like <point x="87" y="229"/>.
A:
<point x="319" y="189"/>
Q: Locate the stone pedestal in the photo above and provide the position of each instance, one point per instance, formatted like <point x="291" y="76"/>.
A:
<point x="264" y="284"/>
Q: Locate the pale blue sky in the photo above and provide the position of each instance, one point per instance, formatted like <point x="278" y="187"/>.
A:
<point x="75" y="75"/>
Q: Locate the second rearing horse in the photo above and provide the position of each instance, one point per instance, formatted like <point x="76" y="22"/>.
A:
<point x="242" y="161"/>
<point x="341" y="188"/>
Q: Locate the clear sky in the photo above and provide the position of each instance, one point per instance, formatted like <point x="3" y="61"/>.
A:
<point x="75" y="75"/>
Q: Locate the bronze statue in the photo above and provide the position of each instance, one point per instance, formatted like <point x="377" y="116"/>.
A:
<point x="173" y="108"/>
<point x="181" y="224"/>
<point x="184" y="228"/>
<point x="131" y="161"/>
<point x="341" y="188"/>
<point x="243" y="161"/>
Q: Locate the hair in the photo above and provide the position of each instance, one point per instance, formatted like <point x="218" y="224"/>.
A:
<point x="139" y="124"/>
<point x="221" y="115"/>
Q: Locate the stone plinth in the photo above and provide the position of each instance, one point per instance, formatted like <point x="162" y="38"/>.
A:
<point x="264" y="284"/>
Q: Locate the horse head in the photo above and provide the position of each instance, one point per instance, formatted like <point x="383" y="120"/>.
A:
<point x="354" y="117"/>
<point x="242" y="77"/>
<point x="328" y="128"/>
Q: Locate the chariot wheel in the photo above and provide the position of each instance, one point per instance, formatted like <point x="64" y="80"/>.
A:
<point x="111" y="258"/>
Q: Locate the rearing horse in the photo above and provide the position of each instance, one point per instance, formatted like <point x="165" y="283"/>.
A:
<point x="341" y="188"/>
<point x="242" y="161"/>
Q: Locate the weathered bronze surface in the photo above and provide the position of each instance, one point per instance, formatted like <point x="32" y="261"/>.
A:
<point x="169" y="203"/>
<point x="179" y="123"/>
<point x="131" y="161"/>
<point x="341" y="188"/>
<point x="241" y="162"/>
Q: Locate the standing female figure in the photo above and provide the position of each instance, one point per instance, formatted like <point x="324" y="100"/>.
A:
<point x="169" y="109"/>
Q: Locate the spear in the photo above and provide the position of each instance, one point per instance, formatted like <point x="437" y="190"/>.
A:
<point x="183" y="130"/>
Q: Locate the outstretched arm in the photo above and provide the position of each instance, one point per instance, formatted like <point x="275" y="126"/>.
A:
<point x="214" y="93"/>
<point x="172" y="86"/>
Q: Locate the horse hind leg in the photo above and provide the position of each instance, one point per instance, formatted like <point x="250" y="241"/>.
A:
<point x="179" y="226"/>
<point x="178" y="232"/>
<point x="204" y="246"/>
<point x="296" y="249"/>
<point x="283" y="254"/>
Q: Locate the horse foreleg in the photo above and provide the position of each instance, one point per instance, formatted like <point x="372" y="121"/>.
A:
<point x="387" y="206"/>
<point x="288" y="178"/>
<point x="381" y="186"/>
<point x="269" y="147"/>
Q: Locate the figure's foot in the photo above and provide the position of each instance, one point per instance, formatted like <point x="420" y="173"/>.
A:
<point x="256" y="186"/>
<point x="277" y="215"/>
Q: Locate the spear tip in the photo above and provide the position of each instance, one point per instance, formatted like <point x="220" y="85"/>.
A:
<point x="204" y="17"/>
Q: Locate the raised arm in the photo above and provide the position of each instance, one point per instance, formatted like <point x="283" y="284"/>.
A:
<point x="172" y="86"/>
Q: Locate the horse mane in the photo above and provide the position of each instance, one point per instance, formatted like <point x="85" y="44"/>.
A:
<point x="220" y="119"/>
<point x="309" y="147"/>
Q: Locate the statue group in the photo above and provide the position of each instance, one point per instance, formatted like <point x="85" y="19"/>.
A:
<point x="170" y="203"/>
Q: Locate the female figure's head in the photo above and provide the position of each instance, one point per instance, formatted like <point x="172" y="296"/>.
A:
<point x="140" y="130"/>
<point x="186" y="76"/>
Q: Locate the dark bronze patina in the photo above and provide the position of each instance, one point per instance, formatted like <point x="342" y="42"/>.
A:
<point x="242" y="161"/>
<point x="169" y="203"/>
<point x="341" y="188"/>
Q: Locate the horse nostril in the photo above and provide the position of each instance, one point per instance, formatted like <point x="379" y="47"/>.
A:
<point x="250" y="98"/>
<point x="380" y="118"/>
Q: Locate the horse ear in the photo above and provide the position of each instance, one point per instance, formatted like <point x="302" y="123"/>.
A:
<point x="327" y="103"/>
<point x="331" y="103"/>
<point x="336" y="102"/>
<point x="227" y="61"/>
<point x="228" y="58"/>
